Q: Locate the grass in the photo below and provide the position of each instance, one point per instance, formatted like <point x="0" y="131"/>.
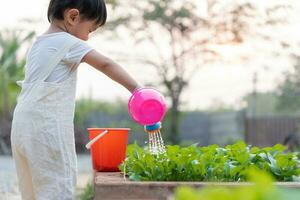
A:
<point x="88" y="193"/>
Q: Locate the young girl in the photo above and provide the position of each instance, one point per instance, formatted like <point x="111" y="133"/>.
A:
<point x="42" y="130"/>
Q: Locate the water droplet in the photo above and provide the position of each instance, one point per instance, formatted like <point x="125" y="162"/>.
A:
<point x="156" y="143"/>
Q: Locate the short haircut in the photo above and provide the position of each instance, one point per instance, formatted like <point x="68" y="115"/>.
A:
<point x="89" y="9"/>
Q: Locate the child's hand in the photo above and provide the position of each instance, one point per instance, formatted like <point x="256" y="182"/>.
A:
<point x="137" y="88"/>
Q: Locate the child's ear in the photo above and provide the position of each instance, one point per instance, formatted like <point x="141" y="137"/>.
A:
<point x="72" y="16"/>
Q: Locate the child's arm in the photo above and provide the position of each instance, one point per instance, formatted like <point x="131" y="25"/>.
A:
<point x="111" y="69"/>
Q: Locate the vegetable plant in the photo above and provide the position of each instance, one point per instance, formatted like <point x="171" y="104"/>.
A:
<point x="210" y="163"/>
<point x="262" y="189"/>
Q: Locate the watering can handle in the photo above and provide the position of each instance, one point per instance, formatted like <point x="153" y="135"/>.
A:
<point x="90" y="143"/>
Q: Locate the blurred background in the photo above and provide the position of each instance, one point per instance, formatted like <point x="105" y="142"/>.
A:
<point x="230" y="70"/>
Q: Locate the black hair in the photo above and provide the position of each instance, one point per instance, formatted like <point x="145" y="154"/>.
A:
<point x="89" y="9"/>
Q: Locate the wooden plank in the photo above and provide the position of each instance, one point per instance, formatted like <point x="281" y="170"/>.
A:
<point x="115" y="186"/>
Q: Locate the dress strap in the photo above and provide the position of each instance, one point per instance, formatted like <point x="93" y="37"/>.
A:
<point x="56" y="58"/>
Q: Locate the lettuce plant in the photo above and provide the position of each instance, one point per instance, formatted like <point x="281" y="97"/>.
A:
<point x="210" y="163"/>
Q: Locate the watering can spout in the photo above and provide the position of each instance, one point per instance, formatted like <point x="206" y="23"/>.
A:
<point x="154" y="127"/>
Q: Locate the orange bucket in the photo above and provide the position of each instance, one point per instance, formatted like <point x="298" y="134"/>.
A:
<point x="109" y="151"/>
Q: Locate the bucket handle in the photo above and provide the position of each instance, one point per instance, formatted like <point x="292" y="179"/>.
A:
<point x="90" y="143"/>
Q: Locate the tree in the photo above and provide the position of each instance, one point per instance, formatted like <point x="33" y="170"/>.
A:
<point x="11" y="68"/>
<point x="184" y="40"/>
<point x="261" y="104"/>
<point x="289" y="90"/>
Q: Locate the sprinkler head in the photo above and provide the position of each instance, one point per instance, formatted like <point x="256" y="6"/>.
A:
<point x="153" y="127"/>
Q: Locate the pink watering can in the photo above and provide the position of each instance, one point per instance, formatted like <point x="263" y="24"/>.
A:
<point x="147" y="107"/>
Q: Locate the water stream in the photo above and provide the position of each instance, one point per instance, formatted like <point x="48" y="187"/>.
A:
<point x="156" y="143"/>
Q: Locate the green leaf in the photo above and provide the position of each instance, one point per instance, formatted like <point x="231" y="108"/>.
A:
<point x="210" y="163"/>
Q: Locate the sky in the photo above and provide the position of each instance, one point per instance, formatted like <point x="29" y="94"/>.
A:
<point x="221" y="83"/>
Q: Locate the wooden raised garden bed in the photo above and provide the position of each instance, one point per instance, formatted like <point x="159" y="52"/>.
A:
<point x="156" y="177"/>
<point x="113" y="186"/>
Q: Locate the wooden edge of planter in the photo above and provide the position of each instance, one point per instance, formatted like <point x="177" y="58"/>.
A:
<point x="114" y="186"/>
<point x="117" y="178"/>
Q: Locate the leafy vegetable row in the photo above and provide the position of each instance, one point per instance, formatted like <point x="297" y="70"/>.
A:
<point x="210" y="163"/>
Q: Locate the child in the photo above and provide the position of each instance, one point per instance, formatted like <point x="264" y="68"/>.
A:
<point x="42" y="128"/>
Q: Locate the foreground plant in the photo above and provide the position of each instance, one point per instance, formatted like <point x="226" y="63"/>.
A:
<point x="263" y="189"/>
<point x="88" y="193"/>
<point x="211" y="163"/>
